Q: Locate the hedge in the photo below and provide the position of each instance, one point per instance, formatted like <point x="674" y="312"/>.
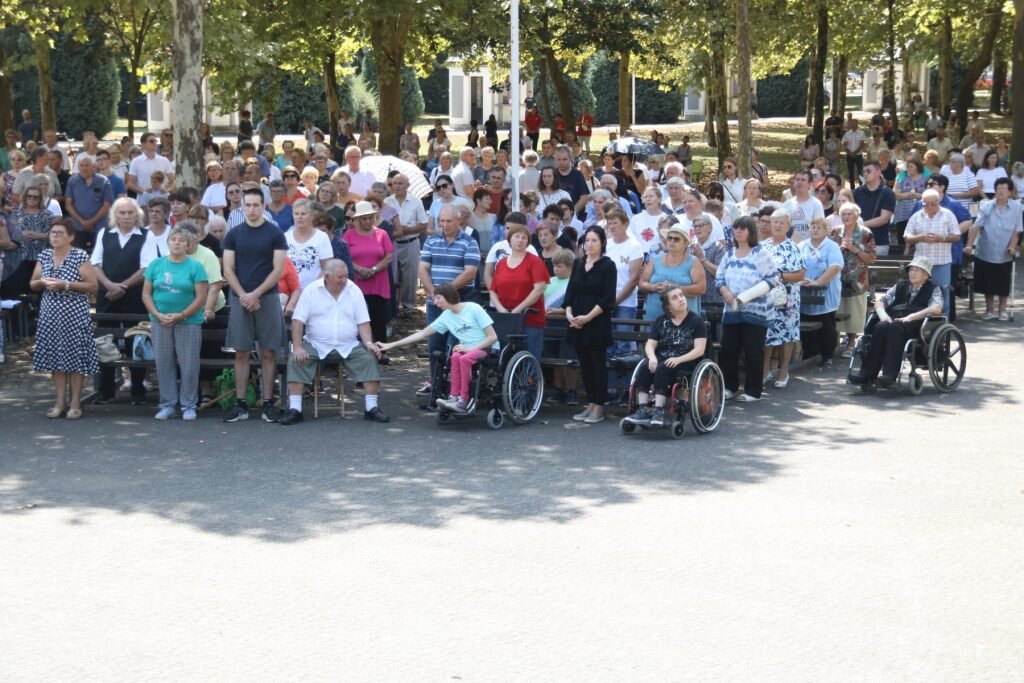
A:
<point x="784" y="95"/>
<point x="652" y="104"/>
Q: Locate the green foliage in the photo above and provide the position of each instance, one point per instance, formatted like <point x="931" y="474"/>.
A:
<point x="434" y="88"/>
<point x="652" y="105"/>
<point x="86" y="86"/>
<point x="362" y="98"/>
<point x="579" y="88"/>
<point x="784" y="95"/>
<point x="412" y="96"/>
<point x="957" y="70"/>
<point x="292" y="98"/>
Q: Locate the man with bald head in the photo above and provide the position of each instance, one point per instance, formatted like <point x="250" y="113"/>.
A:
<point x="87" y="200"/>
<point x="331" y="321"/>
<point x="361" y="181"/>
<point x="450" y="256"/>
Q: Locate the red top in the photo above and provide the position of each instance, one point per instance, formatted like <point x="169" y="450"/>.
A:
<point x="496" y="198"/>
<point x="289" y="281"/>
<point x="513" y="285"/>
<point x="585" y="120"/>
<point x="533" y="121"/>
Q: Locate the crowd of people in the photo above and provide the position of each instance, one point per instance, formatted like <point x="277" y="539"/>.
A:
<point x="306" y="254"/>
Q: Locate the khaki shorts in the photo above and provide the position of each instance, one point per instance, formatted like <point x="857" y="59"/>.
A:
<point x="360" y="363"/>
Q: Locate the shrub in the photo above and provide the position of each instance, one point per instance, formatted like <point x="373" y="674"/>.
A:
<point x="434" y="88"/>
<point x="784" y="95"/>
<point x="652" y="104"/>
<point x="582" y="96"/>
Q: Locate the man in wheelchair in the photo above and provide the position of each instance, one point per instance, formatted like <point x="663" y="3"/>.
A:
<point x="900" y="312"/>
<point x="676" y="344"/>
<point x="474" y="329"/>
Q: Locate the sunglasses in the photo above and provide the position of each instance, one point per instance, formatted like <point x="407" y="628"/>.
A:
<point x="443" y="187"/>
<point x="291" y="175"/>
<point x="673" y="238"/>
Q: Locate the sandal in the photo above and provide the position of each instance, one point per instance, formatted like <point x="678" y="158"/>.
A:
<point x="54" y="413"/>
<point x="74" y="413"/>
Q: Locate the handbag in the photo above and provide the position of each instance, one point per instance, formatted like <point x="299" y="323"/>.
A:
<point x="779" y="296"/>
<point x="106" y="349"/>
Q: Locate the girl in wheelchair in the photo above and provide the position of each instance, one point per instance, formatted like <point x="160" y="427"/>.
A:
<point x="474" y="329"/>
<point x="676" y="344"/>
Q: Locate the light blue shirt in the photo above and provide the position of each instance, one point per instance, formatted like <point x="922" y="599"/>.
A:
<point x="468" y="325"/>
<point x="818" y="261"/>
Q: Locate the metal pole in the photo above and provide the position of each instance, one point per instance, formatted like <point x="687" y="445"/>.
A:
<point x="513" y="152"/>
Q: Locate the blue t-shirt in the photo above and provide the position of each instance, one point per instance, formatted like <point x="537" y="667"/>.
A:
<point x="117" y="185"/>
<point x="818" y="261"/>
<point x="254" y="249"/>
<point x="174" y="286"/>
<point x="283" y="217"/>
<point x="468" y="326"/>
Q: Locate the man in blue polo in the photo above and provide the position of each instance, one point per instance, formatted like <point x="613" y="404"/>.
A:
<point x="87" y="201"/>
<point x="450" y="256"/>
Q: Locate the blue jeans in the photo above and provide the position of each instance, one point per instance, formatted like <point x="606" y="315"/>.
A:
<point x="942" y="276"/>
<point x="435" y="342"/>
<point x="535" y="341"/>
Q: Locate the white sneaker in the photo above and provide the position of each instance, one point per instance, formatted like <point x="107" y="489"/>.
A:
<point x="147" y="384"/>
<point x="126" y="386"/>
<point x="746" y="398"/>
<point x="189" y="414"/>
<point x="165" y="414"/>
<point x="1003" y="317"/>
<point x="728" y="395"/>
<point x="989" y="315"/>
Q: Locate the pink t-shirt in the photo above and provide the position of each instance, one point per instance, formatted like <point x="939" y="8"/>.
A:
<point x="367" y="251"/>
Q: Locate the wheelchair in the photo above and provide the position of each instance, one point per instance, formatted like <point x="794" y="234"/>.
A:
<point x="701" y="395"/>
<point x="507" y="382"/>
<point x="938" y="349"/>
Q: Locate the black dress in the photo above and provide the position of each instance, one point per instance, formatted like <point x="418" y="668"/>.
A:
<point x="589" y="288"/>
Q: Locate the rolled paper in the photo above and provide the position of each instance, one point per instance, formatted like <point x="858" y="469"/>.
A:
<point x="757" y="291"/>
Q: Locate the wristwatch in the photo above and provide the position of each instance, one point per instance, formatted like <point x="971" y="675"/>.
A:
<point x="373" y="269"/>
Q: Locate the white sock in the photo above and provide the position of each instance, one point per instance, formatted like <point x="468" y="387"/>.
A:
<point x="371" y="402"/>
<point x="295" y="402"/>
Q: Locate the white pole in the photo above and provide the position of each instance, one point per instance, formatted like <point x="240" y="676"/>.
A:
<point x="513" y="152"/>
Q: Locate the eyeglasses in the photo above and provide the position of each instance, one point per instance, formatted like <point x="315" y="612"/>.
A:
<point x="673" y="238"/>
<point x="33" y="196"/>
<point x="821" y="191"/>
<point x="291" y="175"/>
<point x="234" y="192"/>
<point x="443" y="187"/>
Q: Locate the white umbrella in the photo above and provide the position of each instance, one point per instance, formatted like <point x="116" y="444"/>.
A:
<point x="381" y="166"/>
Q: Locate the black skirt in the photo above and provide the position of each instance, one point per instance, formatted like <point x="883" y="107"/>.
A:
<point x="992" y="278"/>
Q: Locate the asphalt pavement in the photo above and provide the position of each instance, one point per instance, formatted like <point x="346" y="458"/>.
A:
<point x="820" y="534"/>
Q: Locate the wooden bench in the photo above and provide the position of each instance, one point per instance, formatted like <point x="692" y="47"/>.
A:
<point x="117" y="324"/>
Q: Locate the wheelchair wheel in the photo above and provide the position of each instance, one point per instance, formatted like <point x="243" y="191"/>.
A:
<point x="678" y="429"/>
<point x="495" y="419"/>
<point x="707" y="396"/>
<point x="626" y="427"/>
<point x="947" y="358"/>
<point x="915" y="383"/>
<point x="522" y="389"/>
<point x="632" y="404"/>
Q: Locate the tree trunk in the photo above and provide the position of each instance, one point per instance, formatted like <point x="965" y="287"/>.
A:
<point x="834" y="104"/>
<point x="186" y="91"/>
<point x="709" y="109"/>
<point x="889" y="92"/>
<point x="8" y="117"/>
<point x="625" y="120"/>
<point x="47" y="105"/>
<point x="905" y="92"/>
<point x="979" y="63"/>
<point x="545" y="98"/>
<point x="746" y="134"/>
<point x="724" y="148"/>
<point x="843" y="68"/>
<point x="820" y="54"/>
<point x="331" y="97"/>
<point x="1017" y="91"/>
<point x="561" y="86"/>
<point x="945" y="65"/>
<point x="133" y="94"/>
<point x="389" y="35"/>
<point x="998" y="85"/>
<point x="812" y="91"/>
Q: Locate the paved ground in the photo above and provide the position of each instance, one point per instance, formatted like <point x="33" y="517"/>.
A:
<point x="818" y="535"/>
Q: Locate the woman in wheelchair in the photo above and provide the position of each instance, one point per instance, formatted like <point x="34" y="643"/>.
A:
<point x="901" y="312"/>
<point x="471" y="326"/>
<point x="676" y="344"/>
